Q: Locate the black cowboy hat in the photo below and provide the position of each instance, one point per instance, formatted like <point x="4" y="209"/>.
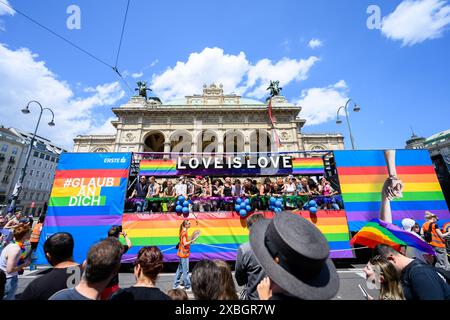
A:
<point x="304" y="268"/>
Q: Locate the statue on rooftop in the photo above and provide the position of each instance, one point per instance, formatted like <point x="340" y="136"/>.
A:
<point x="274" y="88"/>
<point x="142" y="89"/>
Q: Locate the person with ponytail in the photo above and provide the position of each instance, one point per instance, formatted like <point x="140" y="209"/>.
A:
<point x="14" y="259"/>
<point x="184" y="247"/>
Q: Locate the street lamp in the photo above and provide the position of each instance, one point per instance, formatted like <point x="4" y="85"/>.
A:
<point x="18" y="186"/>
<point x="356" y="108"/>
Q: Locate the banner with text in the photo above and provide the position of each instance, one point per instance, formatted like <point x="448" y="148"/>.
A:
<point x="87" y="198"/>
<point x="233" y="166"/>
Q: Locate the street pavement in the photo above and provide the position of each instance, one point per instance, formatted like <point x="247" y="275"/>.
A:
<point x="350" y="276"/>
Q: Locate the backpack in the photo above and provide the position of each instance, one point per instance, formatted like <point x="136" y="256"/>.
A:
<point x="427" y="234"/>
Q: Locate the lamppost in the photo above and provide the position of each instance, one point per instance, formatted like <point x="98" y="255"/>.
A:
<point x="356" y="108"/>
<point x="18" y="186"/>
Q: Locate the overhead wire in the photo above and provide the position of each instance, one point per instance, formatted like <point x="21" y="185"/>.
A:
<point x="114" y="68"/>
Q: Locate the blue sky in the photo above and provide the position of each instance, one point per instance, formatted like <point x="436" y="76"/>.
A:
<point x="398" y="74"/>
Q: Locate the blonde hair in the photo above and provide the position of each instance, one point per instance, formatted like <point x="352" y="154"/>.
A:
<point x="429" y="215"/>
<point x="391" y="288"/>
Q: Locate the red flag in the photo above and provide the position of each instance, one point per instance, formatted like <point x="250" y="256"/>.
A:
<point x="273" y="120"/>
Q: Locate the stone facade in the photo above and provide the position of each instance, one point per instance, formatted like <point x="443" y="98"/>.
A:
<point x="211" y="122"/>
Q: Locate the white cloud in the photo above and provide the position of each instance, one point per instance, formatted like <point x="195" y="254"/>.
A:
<point x="319" y="105"/>
<point x="105" y="128"/>
<point x="315" y="43"/>
<point x="5" y="10"/>
<point x="415" y="21"/>
<point x="137" y="75"/>
<point x="154" y="63"/>
<point x="235" y="72"/>
<point x="23" y="77"/>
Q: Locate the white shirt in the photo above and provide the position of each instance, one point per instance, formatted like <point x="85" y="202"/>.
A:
<point x="181" y="189"/>
<point x="5" y="255"/>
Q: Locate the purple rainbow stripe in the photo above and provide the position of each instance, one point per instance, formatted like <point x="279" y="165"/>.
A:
<point x="172" y="257"/>
<point x="77" y="221"/>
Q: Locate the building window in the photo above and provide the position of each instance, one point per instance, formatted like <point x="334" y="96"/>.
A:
<point x="31" y="172"/>
<point x="43" y="174"/>
<point x="31" y="196"/>
<point x="47" y="157"/>
<point x="34" y="162"/>
<point x="40" y="164"/>
<point x="36" y="154"/>
<point x="29" y="183"/>
<point x="52" y="159"/>
<point x="40" y="185"/>
<point x="35" y="184"/>
<point x="4" y="148"/>
<point x="37" y="174"/>
<point x="42" y="156"/>
<point x="46" y="166"/>
<point x="48" y="175"/>
<point x="5" y="179"/>
<point x="15" y="150"/>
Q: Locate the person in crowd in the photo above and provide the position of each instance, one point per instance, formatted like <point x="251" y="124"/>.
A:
<point x="305" y="187"/>
<point x="446" y="230"/>
<point x="139" y="193"/>
<point x="58" y="249"/>
<point x="237" y="190"/>
<point x="217" y="192"/>
<point x="198" y="191"/>
<point x="437" y="240"/>
<point x="382" y="274"/>
<point x="227" y="191"/>
<point x="206" y="187"/>
<point x="181" y="187"/>
<point x="411" y="252"/>
<point x="266" y="188"/>
<point x="227" y="287"/>
<point x="177" y="294"/>
<point x="313" y="187"/>
<point x="248" y="271"/>
<point x="154" y="190"/>
<point x="206" y="193"/>
<point x="190" y="188"/>
<point x="2" y="283"/>
<point x="148" y="265"/>
<point x="113" y="286"/>
<point x="36" y="233"/>
<point x="14" y="259"/>
<point x="290" y="190"/>
<point x="169" y="192"/>
<point x="295" y="256"/>
<point x="250" y="188"/>
<point x="184" y="250"/>
<point x="419" y="281"/>
<point x="206" y="280"/>
<point x="278" y="188"/>
<point x="101" y="265"/>
<point x="8" y="228"/>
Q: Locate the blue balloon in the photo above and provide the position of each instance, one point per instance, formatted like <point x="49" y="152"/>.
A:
<point x="312" y="203"/>
<point x="247" y="201"/>
<point x="243" y="212"/>
<point x="277" y="210"/>
<point x="313" y="210"/>
<point x="190" y="201"/>
<point x="178" y="208"/>
<point x="237" y="208"/>
<point x="186" y="204"/>
<point x="278" y="204"/>
<point x="238" y="200"/>
<point x="181" y="198"/>
<point x="178" y="203"/>
<point x="185" y="210"/>
<point x="248" y="208"/>
<point x="273" y="200"/>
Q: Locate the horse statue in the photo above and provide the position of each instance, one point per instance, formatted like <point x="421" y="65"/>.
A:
<point x="274" y="88"/>
<point x="142" y="89"/>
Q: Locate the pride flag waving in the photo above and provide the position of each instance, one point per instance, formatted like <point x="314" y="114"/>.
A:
<point x="379" y="232"/>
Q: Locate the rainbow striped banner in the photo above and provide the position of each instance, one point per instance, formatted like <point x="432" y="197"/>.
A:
<point x="166" y="168"/>
<point x="362" y="175"/>
<point x="308" y="166"/>
<point x="221" y="233"/>
<point x="87" y="198"/>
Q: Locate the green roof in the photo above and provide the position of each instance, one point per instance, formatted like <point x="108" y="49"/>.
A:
<point x="438" y="136"/>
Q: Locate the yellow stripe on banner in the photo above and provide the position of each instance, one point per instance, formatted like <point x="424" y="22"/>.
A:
<point x="173" y="232"/>
<point x="333" y="229"/>
<point x="70" y="191"/>
<point x="377" y="187"/>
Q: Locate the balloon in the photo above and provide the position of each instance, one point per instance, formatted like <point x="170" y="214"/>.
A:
<point x="277" y="210"/>
<point x="278" y="204"/>
<point x="243" y="212"/>
<point x="313" y="210"/>
<point x="181" y="198"/>
<point x="178" y="208"/>
<point x="186" y="204"/>
<point x="248" y="208"/>
<point x="247" y="201"/>
<point x="273" y="200"/>
<point x="237" y="208"/>
<point x="178" y="203"/>
<point x="190" y="201"/>
<point x="238" y="200"/>
<point x="185" y="210"/>
<point x="312" y="203"/>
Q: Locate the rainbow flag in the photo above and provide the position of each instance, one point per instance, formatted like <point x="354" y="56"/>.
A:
<point x="379" y="232"/>
<point x="362" y="174"/>
<point x="308" y="166"/>
<point x="158" y="167"/>
<point x="221" y="233"/>
<point x="87" y="198"/>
